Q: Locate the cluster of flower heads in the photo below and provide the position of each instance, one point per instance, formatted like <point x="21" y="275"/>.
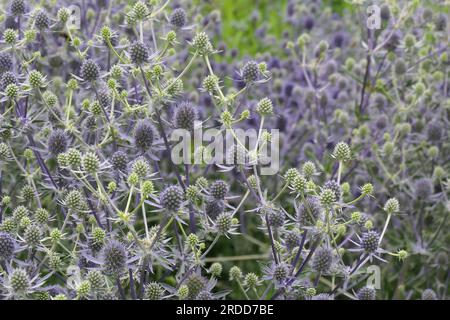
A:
<point x="93" y="207"/>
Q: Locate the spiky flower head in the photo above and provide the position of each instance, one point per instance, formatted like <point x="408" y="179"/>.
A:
<point x="119" y="161"/>
<point x="429" y="294"/>
<point x="367" y="189"/>
<point x="183" y="292"/>
<point x="73" y="200"/>
<point x="224" y="222"/>
<point x="292" y="239"/>
<point x="322" y="296"/>
<point x="235" y="273"/>
<point x="41" y="20"/>
<point x="6" y="62"/>
<point x="370" y="241"/>
<point x="10" y="36"/>
<point x="276" y="218"/>
<point x="185" y="116"/>
<point x="333" y="185"/>
<point x="342" y="152"/>
<point x="251" y="280"/>
<point x="218" y="189"/>
<point x="322" y="260"/>
<point x="216" y="269"/>
<point x="20" y="212"/>
<point x="139" y="53"/>
<point x="280" y="272"/>
<point x="171" y="198"/>
<point x="265" y="107"/>
<point x="36" y="79"/>
<point x="366" y="293"/>
<point x="6" y="79"/>
<point x="144" y="135"/>
<point x="27" y="193"/>
<point x="19" y="281"/>
<point x="7" y="246"/>
<point x="309" y="211"/>
<point x="73" y="157"/>
<point x="298" y="184"/>
<point x="210" y="83"/>
<point x="290" y="175"/>
<point x="178" y="17"/>
<point x="214" y="208"/>
<point x="327" y="197"/>
<point x="195" y="283"/>
<point x="250" y="72"/>
<point x="141" y="168"/>
<point x="153" y="291"/>
<point x="91" y="163"/>
<point x="57" y="142"/>
<point x="140" y="10"/>
<point x="114" y="257"/>
<point x="90" y="70"/>
<point x="33" y="235"/>
<point x="392" y="206"/>
<point x="202" y="44"/>
<point x="96" y="279"/>
<point x="309" y="169"/>
<point x="423" y="188"/>
<point x="192" y="193"/>
<point x="17" y="7"/>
